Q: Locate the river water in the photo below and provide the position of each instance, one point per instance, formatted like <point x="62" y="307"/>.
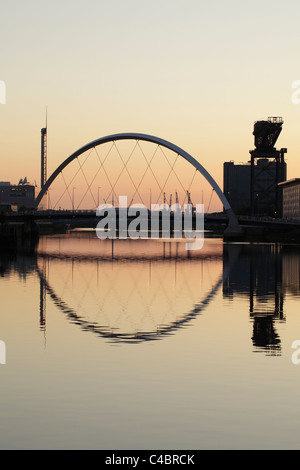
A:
<point x="142" y="344"/>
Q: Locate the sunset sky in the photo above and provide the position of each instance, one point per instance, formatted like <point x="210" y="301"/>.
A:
<point x="196" y="73"/>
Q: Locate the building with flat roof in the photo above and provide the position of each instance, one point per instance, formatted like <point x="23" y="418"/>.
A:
<point x="17" y="196"/>
<point x="237" y="186"/>
<point x="290" y="198"/>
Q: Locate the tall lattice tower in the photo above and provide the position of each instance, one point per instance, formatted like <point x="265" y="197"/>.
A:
<point x="44" y="155"/>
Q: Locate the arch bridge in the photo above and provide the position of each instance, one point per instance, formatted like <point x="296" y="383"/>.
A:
<point x="233" y="225"/>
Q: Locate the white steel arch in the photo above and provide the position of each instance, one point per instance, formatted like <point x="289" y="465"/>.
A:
<point x="143" y="137"/>
<point x="156" y="140"/>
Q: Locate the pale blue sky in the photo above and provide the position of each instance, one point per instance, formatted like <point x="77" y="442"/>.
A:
<point x="193" y="72"/>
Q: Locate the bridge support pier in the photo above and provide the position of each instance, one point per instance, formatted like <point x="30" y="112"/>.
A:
<point x="234" y="230"/>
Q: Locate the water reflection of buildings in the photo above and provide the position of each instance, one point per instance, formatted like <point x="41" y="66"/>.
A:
<point x="22" y="264"/>
<point x="264" y="274"/>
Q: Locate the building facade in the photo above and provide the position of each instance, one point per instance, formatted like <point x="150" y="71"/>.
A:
<point x="291" y="198"/>
<point x="20" y="196"/>
<point x="237" y="187"/>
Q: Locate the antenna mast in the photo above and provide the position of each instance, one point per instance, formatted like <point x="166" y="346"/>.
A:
<point x="44" y="154"/>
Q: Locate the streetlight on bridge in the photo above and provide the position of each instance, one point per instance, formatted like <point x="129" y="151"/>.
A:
<point x="73" y="200"/>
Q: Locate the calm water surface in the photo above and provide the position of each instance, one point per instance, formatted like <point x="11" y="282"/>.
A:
<point x="144" y="345"/>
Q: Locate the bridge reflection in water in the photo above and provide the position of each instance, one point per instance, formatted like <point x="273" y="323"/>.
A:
<point x="125" y="290"/>
<point x="135" y="291"/>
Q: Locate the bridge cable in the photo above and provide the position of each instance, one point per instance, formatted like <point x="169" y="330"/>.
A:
<point x="148" y="166"/>
<point x="211" y="195"/>
<point x="109" y="181"/>
<point x="163" y="152"/>
<point x="125" y="165"/>
<point x="67" y="190"/>
<point x="89" y="186"/>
